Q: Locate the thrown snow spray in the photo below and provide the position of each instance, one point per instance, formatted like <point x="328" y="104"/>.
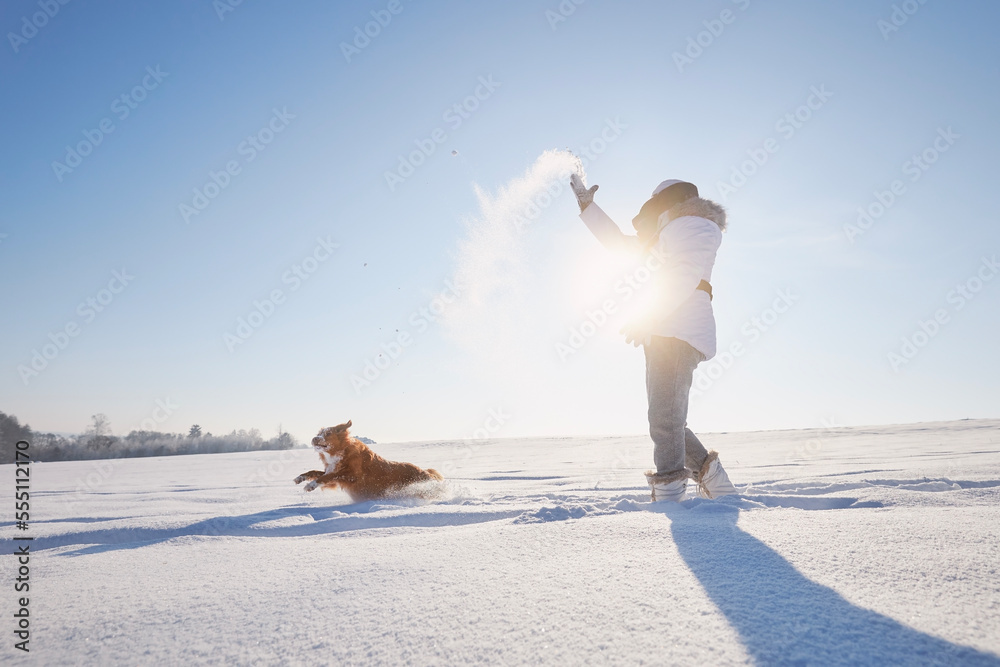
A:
<point x="493" y="267"/>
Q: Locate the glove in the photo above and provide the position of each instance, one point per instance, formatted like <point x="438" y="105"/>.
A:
<point x="635" y="333"/>
<point x="584" y="197"/>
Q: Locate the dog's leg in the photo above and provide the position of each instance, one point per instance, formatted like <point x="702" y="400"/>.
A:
<point x="312" y="474"/>
<point x="328" y="479"/>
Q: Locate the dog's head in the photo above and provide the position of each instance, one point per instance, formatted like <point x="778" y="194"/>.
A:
<point x="332" y="438"/>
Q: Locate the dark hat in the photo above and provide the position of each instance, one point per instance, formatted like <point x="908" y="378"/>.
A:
<point x="666" y="195"/>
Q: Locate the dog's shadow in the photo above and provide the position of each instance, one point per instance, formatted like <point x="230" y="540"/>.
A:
<point x="784" y="618"/>
<point x="288" y="521"/>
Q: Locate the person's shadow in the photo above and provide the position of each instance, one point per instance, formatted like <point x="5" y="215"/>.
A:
<point x="782" y="617"/>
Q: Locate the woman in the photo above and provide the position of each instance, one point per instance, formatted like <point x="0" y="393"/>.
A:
<point x="684" y="232"/>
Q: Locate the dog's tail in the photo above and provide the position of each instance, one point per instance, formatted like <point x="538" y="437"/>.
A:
<point x="435" y="474"/>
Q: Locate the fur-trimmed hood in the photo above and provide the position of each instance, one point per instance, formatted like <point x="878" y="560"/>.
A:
<point x="702" y="208"/>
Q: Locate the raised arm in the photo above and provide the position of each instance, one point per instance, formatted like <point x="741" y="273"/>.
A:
<point x="599" y="223"/>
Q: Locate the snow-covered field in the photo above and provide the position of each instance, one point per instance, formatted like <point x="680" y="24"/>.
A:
<point x="849" y="546"/>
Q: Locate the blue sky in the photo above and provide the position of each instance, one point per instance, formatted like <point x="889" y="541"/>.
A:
<point x="334" y="126"/>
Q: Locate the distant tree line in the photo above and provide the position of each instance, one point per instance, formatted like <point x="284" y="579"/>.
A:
<point x="99" y="443"/>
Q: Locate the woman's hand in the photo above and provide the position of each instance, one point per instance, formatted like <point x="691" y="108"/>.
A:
<point x="584" y="197"/>
<point x="636" y="332"/>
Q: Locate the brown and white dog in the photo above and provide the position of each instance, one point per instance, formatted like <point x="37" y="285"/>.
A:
<point x="363" y="474"/>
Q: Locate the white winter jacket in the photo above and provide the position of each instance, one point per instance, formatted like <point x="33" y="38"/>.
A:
<point x="688" y="243"/>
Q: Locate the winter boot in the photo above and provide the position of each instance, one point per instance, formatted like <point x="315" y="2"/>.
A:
<point x="669" y="486"/>
<point x="712" y="479"/>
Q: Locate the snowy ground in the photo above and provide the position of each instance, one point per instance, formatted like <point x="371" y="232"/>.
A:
<point x="850" y="546"/>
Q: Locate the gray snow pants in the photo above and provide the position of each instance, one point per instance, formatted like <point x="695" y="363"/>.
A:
<point x="670" y="364"/>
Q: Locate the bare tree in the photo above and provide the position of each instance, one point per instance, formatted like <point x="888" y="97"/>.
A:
<point x="100" y="425"/>
<point x="99" y="433"/>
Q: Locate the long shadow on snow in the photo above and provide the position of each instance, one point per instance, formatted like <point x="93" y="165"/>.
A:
<point x="782" y="617"/>
<point x="325" y="520"/>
